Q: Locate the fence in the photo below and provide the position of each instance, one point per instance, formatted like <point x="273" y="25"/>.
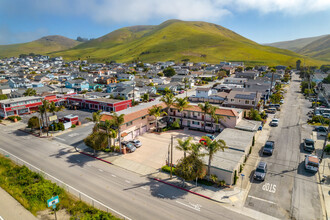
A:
<point x="82" y="196"/>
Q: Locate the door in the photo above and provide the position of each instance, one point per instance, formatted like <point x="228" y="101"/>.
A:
<point x="143" y="129"/>
<point x="136" y="133"/>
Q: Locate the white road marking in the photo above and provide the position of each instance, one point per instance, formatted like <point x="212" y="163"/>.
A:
<point x="73" y="135"/>
<point x="143" y="187"/>
<point x="161" y="195"/>
<point x="60" y="138"/>
<point x="264" y="200"/>
<point x="195" y="208"/>
<point x="127" y="181"/>
<point x="100" y="170"/>
<point x="1" y="218"/>
<point x="113" y="175"/>
<point x="269" y="187"/>
<point x="60" y="181"/>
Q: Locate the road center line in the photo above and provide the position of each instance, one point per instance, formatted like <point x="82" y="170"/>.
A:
<point x="188" y="206"/>
<point x="264" y="200"/>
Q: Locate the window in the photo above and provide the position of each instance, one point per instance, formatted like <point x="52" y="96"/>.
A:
<point x="247" y="102"/>
<point x="129" y="123"/>
<point x="231" y="100"/>
<point x="253" y="102"/>
<point x="195" y="122"/>
<point x="143" y="117"/>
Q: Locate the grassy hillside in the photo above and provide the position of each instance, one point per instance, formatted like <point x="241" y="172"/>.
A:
<point x="295" y="45"/>
<point x="42" y="46"/>
<point x="177" y="40"/>
<point x="318" y="49"/>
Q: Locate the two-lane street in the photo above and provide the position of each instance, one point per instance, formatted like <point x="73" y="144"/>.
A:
<point x="288" y="192"/>
<point x="137" y="197"/>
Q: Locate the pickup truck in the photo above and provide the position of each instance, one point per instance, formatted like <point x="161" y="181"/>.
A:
<point x="268" y="148"/>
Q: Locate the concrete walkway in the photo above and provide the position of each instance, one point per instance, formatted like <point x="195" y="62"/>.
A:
<point x="10" y="209"/>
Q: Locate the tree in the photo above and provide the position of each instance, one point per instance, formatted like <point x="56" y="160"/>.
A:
<point x="145" y="97"/>
<point x="167" y="90"/>
<point x="221" y="74"/>
<point x="181" y="104"/>
<point x="254" y="115"/>
<point x="248" y="68"/>
<point x="157" y="112"/>
<point x="30" y="92"/>
<point x="169" y="72"/>
<point x="118" y="120"/>
<point x="96" y="140"/>
<point x="239" y="69"/>
<point x="276" y="98"/>
<point x="214" y="116"/>
<point x="43" y="112"/>
<point x="96" y="119"/>
<point x="52" y="108"/>
<point x="111" y="133"/>
<point x="327" y="79"/>
<point x="168" y="99"/>
<point x="213" y="146"/>
<point x="184" y="145"/>
<point x="3" y="97"/>
<point x="98" y="89"/>
<point x="33" y="122"/>
<point x="206" y="107"/>
<point x="190" y="168"/>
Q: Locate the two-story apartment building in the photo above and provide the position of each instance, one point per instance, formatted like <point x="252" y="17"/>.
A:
<point x="241" y="99"/>
<point x="77" y="85"/>
<point x="19" y="106"/>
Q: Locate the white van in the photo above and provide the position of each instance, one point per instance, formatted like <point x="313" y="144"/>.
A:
<point x="312" y="163"/>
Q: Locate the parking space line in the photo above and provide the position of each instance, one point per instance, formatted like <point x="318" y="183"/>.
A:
<point x="264" y="200"/>
<point x="143" y="187"/>
<point x="113" y="175"/>
<point x="59" y="138"/>
<point x="195" y="208"/>
<point x="127" y="181"/>
<point x="100" y="170"/>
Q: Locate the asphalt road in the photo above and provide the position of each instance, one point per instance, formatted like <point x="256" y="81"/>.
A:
<point x="289" y="192"/>
<point x="137" y="197"/>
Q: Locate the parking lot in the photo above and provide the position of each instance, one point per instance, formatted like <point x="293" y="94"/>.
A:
<point x="154" y="150"/>
<point x="82" y="114"/>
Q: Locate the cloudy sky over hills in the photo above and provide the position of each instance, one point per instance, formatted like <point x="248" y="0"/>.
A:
<point x="260" y="20"/>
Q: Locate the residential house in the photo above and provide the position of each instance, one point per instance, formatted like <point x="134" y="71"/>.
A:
<point x="250" y="74"/>
<point x="182" y="78"/>
<point x="125" y="76"/>
<point x="19" y="83"/>
<point x="241" y="99"/>
<point x="126" y="92"/>
<point x="160" y="81"/>
<point x="232" y="80"/>
<point x="106" y="80"/>
<point x="203" y="92"/>
<point x="77" y="85"/>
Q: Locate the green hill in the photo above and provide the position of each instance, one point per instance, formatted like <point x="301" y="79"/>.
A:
<point x="295" y="45"/>
<point x="178" y="40"/>
<point x="318" y="49"/>
<point x="42" y="46"/>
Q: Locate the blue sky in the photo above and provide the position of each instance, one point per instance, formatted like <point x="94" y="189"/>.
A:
<point x="263" y="21"/>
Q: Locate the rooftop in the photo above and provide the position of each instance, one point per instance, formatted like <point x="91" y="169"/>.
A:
<point x="236" y="139"/>
<point x="20" y="99"/>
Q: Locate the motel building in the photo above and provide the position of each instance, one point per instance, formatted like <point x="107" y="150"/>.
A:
<point x="19" y="106"/>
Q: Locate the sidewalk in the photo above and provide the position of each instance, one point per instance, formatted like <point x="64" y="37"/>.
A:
<point x="10" y="209"/>
<point x="324" y="172"/>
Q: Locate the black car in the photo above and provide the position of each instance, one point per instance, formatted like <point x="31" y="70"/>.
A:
<point x="268" y="148"/>
<point x="260" y="173"/>
<point x="309" y="145"/>
<point x="321" y="129"/>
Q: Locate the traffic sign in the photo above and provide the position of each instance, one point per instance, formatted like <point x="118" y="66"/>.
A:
<point x="53" y="201"/>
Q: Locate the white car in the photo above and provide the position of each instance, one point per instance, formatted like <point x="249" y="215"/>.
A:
<point x="136" y="143"/>
<point x="274" y="122"/>
<point x="312" y="163"/>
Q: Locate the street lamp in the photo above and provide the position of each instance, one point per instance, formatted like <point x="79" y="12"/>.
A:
<point x="242" y="175"/>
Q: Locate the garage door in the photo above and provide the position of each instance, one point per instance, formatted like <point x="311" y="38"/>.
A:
<point x="136" y="133"/>
<point x="129" y="136"/>
<point x="143" y="129"/>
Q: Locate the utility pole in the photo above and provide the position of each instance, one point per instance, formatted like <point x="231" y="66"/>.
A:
<point x="40" y="125"/>
<point x="171" y="155"/>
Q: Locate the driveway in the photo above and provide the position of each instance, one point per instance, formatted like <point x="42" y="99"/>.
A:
<point x="154" y="149"/>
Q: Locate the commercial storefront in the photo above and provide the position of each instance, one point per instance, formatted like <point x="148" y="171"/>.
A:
<point x="19" y="106"/>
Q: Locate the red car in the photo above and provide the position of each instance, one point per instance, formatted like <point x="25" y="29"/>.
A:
<point x="181" y="92"/>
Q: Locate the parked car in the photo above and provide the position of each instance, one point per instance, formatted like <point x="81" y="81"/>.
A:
<point x="203" y="141"/>
<point x="181" y="91"/>
<point x="130" y="147"/>
<point x="271" y="110"/>
<point x="321" y="129"/>
<point x="212" y="137"/>
<point x="326" y="115"/>
<point x="277" y="106"/>
<point x="309" y="145"/>
<point x="312" y="163"/>
<point x="274" y="122"/>
<point x="260" y="173"/>
<point x="150" y="100"/>
<point x="268" y="148"/>
<point x="282" y="101"/>
<point x="136" y="143"/>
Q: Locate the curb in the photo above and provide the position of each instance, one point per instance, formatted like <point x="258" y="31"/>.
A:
<point x="197" y="194"/>
<point x="32" y="133"/>
<point x="89" y="155"/>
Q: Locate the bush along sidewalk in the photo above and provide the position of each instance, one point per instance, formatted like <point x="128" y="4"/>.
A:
<point x="32" y="191"/>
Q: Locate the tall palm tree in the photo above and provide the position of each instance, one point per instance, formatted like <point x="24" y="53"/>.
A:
<point x="184" y="145"/>
<point x="96" y="118"/>
<point x="213" y="146"/>
<point x="53" y="108"/>
<point x="118" y="120"/>
<point x="168" y="99"/>
<point x="195" y="149"/>
<point x="181" y="104"/>
<point x="157" y="112"/>
<point x="43" y="112"/>
<point x="109" y="131"/>
<point x="206" y="107"/>
<point x="214" y="117"/>
<point x="30" y="92"/>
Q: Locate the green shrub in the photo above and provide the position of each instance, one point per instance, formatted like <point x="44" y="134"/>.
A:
<point x="241" y="168"/>
<point x="235" y="177"/>
<point x="12" y="118"/>
<point x="253" y="141"/>
<point x="175" y="125"/>
<point x="327" y="148"/>
<point x="167" y="169"/>
<point x="250" y="151"/>
<point x="73" y="126"/>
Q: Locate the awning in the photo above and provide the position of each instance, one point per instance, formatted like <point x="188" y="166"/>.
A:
<point x="124" y="134"/>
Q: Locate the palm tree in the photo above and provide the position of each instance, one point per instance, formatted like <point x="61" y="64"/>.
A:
<point x="181" y="104"/>
<point x="157" y="112"/>
<point x="118" y="120"/>
<point x="206" y="107"/>
<point x="96" y="119"/>
<point x="109" y="131"/>
<point x="214" y="116"/>
<point x="30" y="92"/>
<point x="168" y="99"/>
<point x="53" y="108"/>
<point x="184" y="145"/>
<point x="195" y="149"/>
<point x="43" y="112"/>
<point x="213" y="146"/>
